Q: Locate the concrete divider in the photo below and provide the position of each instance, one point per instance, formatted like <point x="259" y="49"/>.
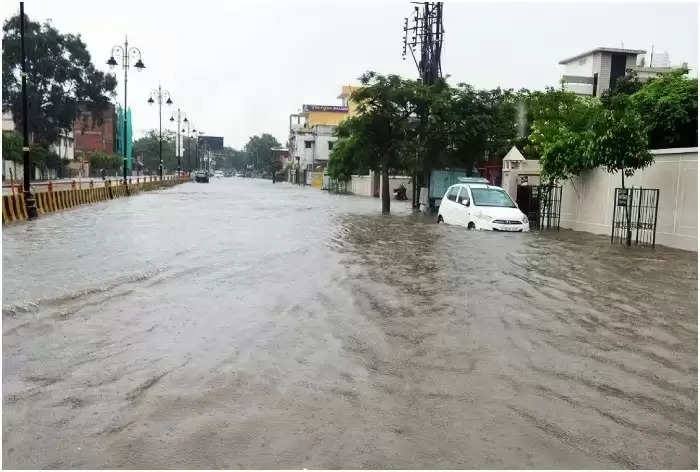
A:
<point x="14" y="208"/>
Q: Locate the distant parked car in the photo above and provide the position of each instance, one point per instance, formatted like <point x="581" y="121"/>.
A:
<point x="475" y="204"/>
<point x="218" y="174"/>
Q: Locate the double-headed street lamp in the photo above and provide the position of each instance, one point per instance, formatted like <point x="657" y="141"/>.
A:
<point x="189" y="142"/>
<point x="158" y="96"/>
<point x="197" y="135"/>
<point x="124" y="54"/>
<point x="178" y="147"/>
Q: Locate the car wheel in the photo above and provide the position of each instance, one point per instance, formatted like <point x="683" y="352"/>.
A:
<point x="440" y="220"/>
<point x="471" y="226"/>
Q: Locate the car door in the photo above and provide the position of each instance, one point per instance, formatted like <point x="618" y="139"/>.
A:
<point x="447" y="209"/>
<point x="461" y="211"/>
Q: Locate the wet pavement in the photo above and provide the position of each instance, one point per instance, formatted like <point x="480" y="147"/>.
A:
<point x="242" y="324"/>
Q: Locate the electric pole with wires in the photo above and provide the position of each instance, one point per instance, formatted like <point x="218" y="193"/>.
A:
<point x="424" y="31"/>
<point x="427" y="32"/>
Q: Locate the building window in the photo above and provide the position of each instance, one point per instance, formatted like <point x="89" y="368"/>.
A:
<point x="307" y="144"/>
<point x="330" y="145"/>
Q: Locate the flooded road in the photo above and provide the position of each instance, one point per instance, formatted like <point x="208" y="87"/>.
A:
<point x="243" y="324"/>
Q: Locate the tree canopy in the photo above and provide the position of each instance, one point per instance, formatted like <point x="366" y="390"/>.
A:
<point x="259" y="151"/>
<point x="668" y="105"/>
<point x="147" y="148"/>
<point x="574" y="134"/>
<point x="109" y="162"/>
<point x="60" y="76"/>
<point x="404" y="125"/>
<point x="11" y="146"/>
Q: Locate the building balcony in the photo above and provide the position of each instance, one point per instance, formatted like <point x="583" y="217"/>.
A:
<point x="581" y="85"/>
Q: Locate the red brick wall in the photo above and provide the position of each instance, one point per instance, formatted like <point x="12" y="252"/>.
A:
<point x="89" y="137"/>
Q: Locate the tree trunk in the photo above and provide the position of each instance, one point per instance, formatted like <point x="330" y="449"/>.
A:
<point x="386" y="202"/>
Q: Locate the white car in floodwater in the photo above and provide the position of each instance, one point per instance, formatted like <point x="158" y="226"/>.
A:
<point x="475" y="204"/>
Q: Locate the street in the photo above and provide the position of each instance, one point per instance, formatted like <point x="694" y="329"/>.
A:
<point x="241" y="324"/>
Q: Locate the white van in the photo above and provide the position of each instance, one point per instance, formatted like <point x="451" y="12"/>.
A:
<point x="475" y="204"/>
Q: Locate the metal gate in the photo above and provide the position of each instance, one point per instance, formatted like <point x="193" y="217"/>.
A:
<point x="541" y="204"/>
<point x="635" y="212"/>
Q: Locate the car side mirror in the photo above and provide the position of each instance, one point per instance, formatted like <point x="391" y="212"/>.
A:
<point x="465" y="202"/>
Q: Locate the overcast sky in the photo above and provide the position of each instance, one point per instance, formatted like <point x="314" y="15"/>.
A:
<point x="240" y="68"/>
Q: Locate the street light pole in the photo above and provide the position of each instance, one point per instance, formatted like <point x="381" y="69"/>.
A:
<point x="159" y="95"/>
<point x="125" y="53"/>
<point x="188" y="146"/>
<point x="178" y="148"/>
<point x="29" y="201"/>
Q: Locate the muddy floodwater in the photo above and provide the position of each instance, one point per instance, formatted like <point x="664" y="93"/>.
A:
<point x="241" y="324"/>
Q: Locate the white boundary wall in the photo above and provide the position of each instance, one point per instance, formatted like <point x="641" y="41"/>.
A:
<point x="587" y="200"/>
<point x="361" y="185"/>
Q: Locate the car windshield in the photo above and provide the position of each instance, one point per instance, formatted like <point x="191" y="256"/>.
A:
<point x="491" y="197"/>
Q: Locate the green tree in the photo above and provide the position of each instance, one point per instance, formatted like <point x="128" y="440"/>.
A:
<point x="386" y="121"/>
<point x="618" y="95"/>
<point x="259" y="151"/>
<point x="11" y="146"/>
<point x="560" y="132"/>
<point x="579" y="134"/>
<point x="231" y="158"/>
<point x="147" y="148"/>
<point x="60" y="75"/>
<point x="619" y="141"/>
<point x="668" y="105"/>
<point x="109" y="162"/>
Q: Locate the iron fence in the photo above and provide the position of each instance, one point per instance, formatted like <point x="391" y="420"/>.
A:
<point x="541" y="204"/>
<point x="635" y="212"/>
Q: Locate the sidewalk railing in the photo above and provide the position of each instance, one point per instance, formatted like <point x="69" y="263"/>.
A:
<point x="50" y="199"/>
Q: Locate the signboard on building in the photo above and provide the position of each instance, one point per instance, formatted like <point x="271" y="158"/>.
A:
<point x="331" y="108"/>
<point x="212" y="143"/>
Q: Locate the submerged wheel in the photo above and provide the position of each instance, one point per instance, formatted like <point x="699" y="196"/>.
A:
<point x="471" y="226"/>
<point x="440" y="220"/>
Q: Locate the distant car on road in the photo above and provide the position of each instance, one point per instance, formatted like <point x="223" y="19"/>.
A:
<point x="238" y="174"/>
<point x="475" y="204"/>
<point x="218" y="174"/>
<point x="201" y="176"/>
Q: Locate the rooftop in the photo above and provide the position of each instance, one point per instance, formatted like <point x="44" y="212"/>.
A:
<point x="610" y="50"/>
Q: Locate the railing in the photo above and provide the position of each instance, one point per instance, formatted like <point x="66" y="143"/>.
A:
<point x="16" y="188"/>
<point x="53" y="199"/>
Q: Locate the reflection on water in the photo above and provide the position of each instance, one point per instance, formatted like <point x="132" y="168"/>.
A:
<point x="241" y="324"/>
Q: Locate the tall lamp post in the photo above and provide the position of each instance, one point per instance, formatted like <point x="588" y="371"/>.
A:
<point x="159" y="95"/>
<point x="29" y="201"/>
<point x="178" y="147"/>
<point x="197" y="134"/>
<point x="125" y="53"/>
<point x="188" y="146"/>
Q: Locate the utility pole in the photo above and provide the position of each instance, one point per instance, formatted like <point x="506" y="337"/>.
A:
<point x="426" y="31"/>
<point x="178" y="143"/>
<point x="29" y="201"/>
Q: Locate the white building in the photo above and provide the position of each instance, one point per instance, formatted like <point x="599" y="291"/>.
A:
<point x="64" y="147"/>
<point x="310" y="144"/>
<point x="312" y="131"/>
<point x="593" y="72"/>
